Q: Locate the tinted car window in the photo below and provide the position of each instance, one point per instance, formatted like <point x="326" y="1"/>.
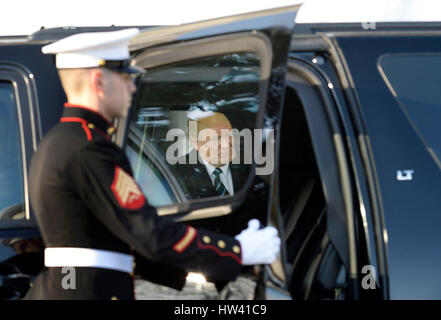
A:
<point x="148" y="175"/>
<point x="166" y="153"/>
<point x="415" y="83"/>
<point x="11" y="175"/>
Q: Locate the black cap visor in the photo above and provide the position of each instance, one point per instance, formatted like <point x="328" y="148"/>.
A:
<point x="122" y="66"/>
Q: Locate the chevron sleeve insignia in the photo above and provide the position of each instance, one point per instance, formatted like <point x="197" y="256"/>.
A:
<point x="126" y="190"/>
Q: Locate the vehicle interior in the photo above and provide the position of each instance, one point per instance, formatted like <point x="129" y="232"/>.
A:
<point x="314" y="269"/>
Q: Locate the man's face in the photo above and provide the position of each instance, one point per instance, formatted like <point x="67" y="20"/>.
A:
<point x="216" y="144"/>
<point x="118" y="94"/>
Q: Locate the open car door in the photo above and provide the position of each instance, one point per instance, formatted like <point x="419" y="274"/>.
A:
<point x="233" y="68"/>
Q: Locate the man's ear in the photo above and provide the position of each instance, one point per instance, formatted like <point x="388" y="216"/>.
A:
<point x="97" y="81"/>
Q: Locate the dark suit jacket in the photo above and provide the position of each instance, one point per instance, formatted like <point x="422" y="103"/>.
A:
<point x="196" y="182"/>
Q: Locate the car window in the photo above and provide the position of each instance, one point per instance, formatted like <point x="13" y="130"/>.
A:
<point x="191" y="119"/>
<point x="147" y="175"/>
<point x="414" y="80"/>
<point x="11" y="175"/>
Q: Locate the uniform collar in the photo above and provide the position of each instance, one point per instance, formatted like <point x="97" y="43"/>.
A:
<point x="94" y="119"/>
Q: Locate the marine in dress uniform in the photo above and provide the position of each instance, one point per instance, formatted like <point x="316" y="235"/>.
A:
<point x="92" y="214"/>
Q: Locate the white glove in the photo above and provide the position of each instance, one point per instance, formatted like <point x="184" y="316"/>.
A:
<point x="259" y="246"/>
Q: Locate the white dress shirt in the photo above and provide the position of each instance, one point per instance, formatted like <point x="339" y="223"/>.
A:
<point x="225" y="176"/>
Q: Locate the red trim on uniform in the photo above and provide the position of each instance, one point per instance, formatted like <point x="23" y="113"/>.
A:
<point x="69" y="105"/>
<point x="215" y="249"/>
<point x="186" y="240"/>
<point x="83" y="124"/>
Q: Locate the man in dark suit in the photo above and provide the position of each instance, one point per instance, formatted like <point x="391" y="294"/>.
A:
<point x="207" y="170"/>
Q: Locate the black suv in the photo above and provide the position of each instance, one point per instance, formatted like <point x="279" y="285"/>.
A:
<point x="343" y="124"/>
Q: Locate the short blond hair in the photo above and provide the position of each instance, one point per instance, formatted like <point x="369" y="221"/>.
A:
<point x="73" y="80"/>
<point x="211" y="121"/>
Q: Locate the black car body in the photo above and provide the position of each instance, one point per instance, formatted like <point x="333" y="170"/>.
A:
<point x="356" y="180"/>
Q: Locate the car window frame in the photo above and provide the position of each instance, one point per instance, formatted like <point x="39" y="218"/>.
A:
<point x="343" y="201"/>
<point x="21" y="80"/>
<point x="254" y="42"/>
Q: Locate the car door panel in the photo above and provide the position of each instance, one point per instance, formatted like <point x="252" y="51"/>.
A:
<point x="265" y="33"/>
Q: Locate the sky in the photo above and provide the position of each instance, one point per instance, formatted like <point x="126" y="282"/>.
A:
<point x="21" y="17"/>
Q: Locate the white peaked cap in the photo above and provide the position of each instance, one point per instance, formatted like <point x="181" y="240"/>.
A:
<point x="89" y="49"/>
<point x="197" y="114"/>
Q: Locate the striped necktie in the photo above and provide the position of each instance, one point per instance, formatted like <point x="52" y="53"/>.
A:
<point x="218" y="185"/>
